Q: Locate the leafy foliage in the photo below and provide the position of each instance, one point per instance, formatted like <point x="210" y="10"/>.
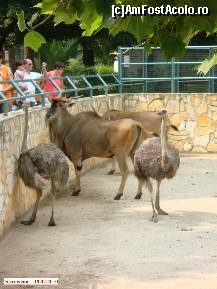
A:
<point x="172" y="33"/>
<point x="59" y="51"/>
<point x="75" y="67"/>
<point x="207" y="64"/>
<point x="34" y="40"/>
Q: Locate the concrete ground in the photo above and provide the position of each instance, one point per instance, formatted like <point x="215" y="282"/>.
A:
<point x="100" y="243"/>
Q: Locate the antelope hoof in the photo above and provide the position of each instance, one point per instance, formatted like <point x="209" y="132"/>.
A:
<point x="76" y="192"/>
<point x="27" y="223"/>
<point x="111" y="172"/>
<point x="138" y="196"/>
<point x="161" y="212"/>
<point x="118" y="196"/>
<point x="51" y="223"/>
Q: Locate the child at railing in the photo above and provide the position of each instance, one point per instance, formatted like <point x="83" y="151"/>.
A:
<point x="19" y="75"/>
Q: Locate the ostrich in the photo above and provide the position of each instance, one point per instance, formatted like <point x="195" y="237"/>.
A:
<point x="156" y="159"/>
<point x="44" y="161"/>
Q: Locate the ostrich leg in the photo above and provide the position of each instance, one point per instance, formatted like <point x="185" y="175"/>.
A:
<point x="33" y="217"/>
<point x="157" y="202"/>
<point x="150" y="188"/>
<point x="52" y="222"/>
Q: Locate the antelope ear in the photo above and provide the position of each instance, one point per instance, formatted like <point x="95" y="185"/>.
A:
<point x="68" y="103"/>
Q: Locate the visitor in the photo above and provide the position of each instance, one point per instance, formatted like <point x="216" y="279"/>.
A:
<point x="5" y="74"/>
<point x="29" y="74"/>
<point x="55" y="73"/>
<point x="19" y="75"/>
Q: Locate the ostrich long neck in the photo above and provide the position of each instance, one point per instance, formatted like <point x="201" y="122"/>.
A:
<point x="24" y="143"/>
<point x="164" y="142"/>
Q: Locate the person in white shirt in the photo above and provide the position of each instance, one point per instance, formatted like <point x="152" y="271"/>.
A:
<point x="29" y="74"/>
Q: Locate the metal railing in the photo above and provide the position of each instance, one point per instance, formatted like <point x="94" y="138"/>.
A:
<point x="172" y="76"/>
<point x="73" y="85"/>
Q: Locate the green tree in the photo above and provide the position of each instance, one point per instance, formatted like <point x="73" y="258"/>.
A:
<point x="169" y="32"/>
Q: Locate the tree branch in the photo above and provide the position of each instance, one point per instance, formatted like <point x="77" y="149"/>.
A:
<point x="43" y="21"/>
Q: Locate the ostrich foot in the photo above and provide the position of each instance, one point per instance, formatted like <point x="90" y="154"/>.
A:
<point x="118" y="196"/>
<point x="29" y="222"/>
<point x="111" y="172"/>
<point x="76" y="192"/>
<point x="154" y="218"/>
<point x="138" y="196"/>
<point x="161" y="212"/>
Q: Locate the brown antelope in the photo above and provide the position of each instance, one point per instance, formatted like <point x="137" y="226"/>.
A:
<point x="150" y="121"/>
<point x="87" y="135"/>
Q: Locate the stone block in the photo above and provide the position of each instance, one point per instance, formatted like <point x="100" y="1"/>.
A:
<point x="198" y="149"/>
<point x="142" y="106"/>
<point x="176" y="119"/>
<point x="173" y="106"/>
<point x="204" y="120"/>
<point x="196" y="100"/>
<point x="203" y="130"/>
<point x="156" y="105"/>
<point x="212" y="147"/>
<point x="201" y="141"/>
<point x="190" y="127"/>
<point x="187" y="147"/>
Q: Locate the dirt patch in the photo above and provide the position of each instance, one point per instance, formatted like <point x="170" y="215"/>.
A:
<point x="100" y="243"/>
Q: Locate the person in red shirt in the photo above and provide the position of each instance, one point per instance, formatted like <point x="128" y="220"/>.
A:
<point x="56" y="72"/>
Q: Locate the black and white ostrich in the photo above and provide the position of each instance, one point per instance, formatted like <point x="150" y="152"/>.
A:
<point x="44" y="161"/>
<point x="156" y="159"/>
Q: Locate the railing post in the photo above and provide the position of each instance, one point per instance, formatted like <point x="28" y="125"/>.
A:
<point x="73" y="85"/>
<point x="211" y="74"/>
<point x="104" y="84"/>
<point x="42" y="93"/>
<point x="177" y="77"/>
<point x="5" y="104"/>
<point x="88" y="84"/>
<point x="145" y="72"/>
<point x="120" y="69"/>
<point x="118" y="81"/>
<point x="173" y="76"/>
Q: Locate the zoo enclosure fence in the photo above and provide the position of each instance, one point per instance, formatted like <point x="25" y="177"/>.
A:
<point x="74" y="86"/>
<point x="138" y="72"/>
<point x="151" y="73"/>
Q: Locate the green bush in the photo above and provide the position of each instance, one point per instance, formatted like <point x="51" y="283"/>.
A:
<point x="75" y="67"/>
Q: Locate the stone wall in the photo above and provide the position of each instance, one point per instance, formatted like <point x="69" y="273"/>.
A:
<point x="194" y="114"/>
<point x="15" y="198"/>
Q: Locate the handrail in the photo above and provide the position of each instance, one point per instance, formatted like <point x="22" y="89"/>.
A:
<point x="70" y="81"/>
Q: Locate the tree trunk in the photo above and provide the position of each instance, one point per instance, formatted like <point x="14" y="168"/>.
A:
<point x="29" y="53"/>
<point x="88" y="55"/>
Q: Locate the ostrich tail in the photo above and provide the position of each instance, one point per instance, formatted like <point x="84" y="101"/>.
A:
<point x="28" y="172"/>
<point x="138" y="171"/>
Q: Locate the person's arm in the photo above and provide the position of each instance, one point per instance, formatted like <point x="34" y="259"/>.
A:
<point x="44" y="69"/>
